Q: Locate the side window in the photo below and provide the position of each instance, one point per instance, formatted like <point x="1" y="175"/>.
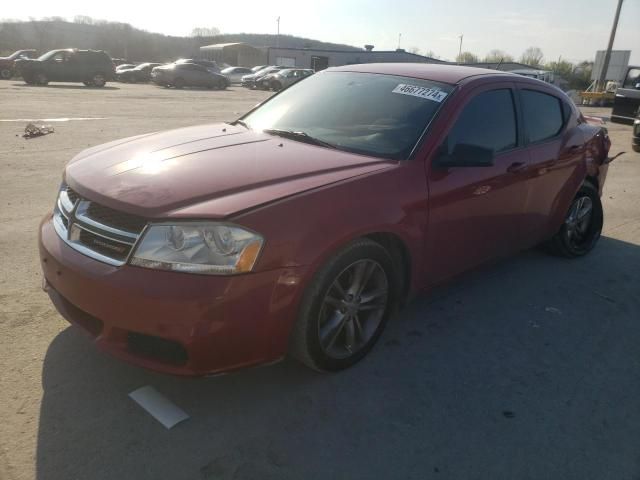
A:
<point x="60" y="57"/>
<point x="488" y="121"/>
<point x="543" y="118"/>
<point x="633" y="79"/>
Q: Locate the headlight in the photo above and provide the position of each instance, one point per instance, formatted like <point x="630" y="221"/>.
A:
<point x="210" y="248"/>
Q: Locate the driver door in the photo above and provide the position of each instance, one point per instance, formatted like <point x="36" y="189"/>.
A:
<point x="476" y="212"/>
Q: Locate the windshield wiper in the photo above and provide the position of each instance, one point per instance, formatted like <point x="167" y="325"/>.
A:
<point x="300" y="136"/>
<point x="240" y="122"/>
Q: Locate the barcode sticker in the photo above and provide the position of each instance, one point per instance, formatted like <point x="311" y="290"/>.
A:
<point x="434" y="94"/>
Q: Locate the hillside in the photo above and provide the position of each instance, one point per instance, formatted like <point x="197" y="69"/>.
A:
<point x="124" y="41"/>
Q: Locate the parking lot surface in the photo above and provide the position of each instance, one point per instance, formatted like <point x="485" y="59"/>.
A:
<point x="527" y="368"/>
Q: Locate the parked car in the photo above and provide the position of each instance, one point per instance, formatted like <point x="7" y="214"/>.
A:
<point x="120" y="61"/>
<point x="235" y="74"/>
<point x="124" y="66"/>
<point x="181" y="75"/>
<point x="208" y="64"/>
<point x="302" y="226"/>
<point x="635" y="142"/>
<point x="285" y="78"/>
<point x="91" y="67"/>
<point x="7" y="63"/>
<point x="250" y="80"/>
<point x="140" y="73"/>
<point x="626" y="103"/>
<point x="258" y="67"/>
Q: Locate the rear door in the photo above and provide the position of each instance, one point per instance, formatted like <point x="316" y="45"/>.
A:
<point x="626" y="104"/>
<point x="475" y="212"/>
<point x="556" y="150"/>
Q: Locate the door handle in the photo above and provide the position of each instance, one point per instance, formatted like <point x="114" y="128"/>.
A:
<point x="516" y="167"/>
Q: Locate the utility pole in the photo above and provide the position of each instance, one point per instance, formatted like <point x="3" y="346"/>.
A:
<point x="278" y="36"/>
<point x="399" y="39"/>
<point x="607" y="54"/>
<point x="460" y="50"/>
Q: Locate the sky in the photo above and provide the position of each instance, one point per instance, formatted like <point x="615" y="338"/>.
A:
<point x="571" y="29"/>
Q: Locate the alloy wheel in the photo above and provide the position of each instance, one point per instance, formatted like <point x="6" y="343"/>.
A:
<point x="578" y="220"/>
<point x="353" y="308"/>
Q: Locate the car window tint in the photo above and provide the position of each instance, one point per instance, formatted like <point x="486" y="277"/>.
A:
<point x="488" y="121"/>
<point x="543" y="117"/>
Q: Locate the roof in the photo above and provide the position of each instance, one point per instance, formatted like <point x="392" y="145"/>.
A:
<point x="220" y="46"/>
<point x="452" y="74"/>
<point x="358" y="51"/>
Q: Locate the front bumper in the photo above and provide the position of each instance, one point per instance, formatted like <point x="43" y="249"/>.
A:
<point x="172" y="322"/>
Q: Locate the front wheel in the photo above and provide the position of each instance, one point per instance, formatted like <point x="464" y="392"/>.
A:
<point x="582" y="226"/>
<point x="345" y="308"/>
<point x="6" y="73"/>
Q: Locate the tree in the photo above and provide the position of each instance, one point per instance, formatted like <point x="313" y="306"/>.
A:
<point x="532" y="56"/>
<point x="496" y="56"/>
<point x="467" y="57"/>
<point x="415" y="50"/>
<point x="205" y="32"/>
<point x="432" y="54"/>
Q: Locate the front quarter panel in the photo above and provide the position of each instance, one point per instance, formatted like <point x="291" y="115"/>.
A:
<point x="309" y="228"/>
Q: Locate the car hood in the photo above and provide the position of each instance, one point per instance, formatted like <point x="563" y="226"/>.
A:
<point x="207" y="171"/>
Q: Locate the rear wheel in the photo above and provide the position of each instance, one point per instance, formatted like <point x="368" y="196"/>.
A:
<point x="636" y="148"/>
<point x="345" y="308"/>
<point x="582" y="226"/>
<point x="6" y="73"/>
<point x="277" y="86"/>
<point x="178" y="83"/>
<point x="98" y="80"/>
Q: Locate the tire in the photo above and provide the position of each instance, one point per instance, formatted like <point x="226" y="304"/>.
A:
<point x="582" y="226"/>
<point x="636" y="148"/>
<point x="40" y="78"/>
<point x="88" y="84"/>
<point x="98" y="80"/>
<point x="178" y="83"/>
<point x="277" y="86"/>
<point x="333" y="298"/>
<point x="6" y="73"/>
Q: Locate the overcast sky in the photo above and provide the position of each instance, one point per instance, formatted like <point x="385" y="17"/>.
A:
<point x="573" y="29"/>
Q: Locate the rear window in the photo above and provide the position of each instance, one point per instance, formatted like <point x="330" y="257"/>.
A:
<point x="543" y="117"/>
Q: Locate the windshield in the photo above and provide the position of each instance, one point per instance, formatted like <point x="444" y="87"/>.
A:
<point x="372" y="114"/>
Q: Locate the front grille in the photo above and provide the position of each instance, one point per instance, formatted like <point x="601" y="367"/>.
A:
<point x="112" y="218"/>
<point x="95" y="230"/>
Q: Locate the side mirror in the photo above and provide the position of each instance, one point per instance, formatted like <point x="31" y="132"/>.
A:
<point x="465" y="155"/>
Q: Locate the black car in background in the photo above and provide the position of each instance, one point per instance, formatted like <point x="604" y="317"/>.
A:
<point x="626" y="104"/>
<point x="92" y="67"/>
<point x="7" y="63"/>
<point x="140" y="73"/>
<point x="179" y="75"/>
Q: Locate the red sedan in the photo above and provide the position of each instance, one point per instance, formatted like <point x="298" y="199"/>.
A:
<point x="301" y="227"/>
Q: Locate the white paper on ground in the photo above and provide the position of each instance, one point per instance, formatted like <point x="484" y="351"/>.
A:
<point x="158" y="406"/>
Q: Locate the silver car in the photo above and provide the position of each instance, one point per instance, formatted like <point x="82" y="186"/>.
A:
<point x="235" y="74"/>
<point x="286" y="78"/>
